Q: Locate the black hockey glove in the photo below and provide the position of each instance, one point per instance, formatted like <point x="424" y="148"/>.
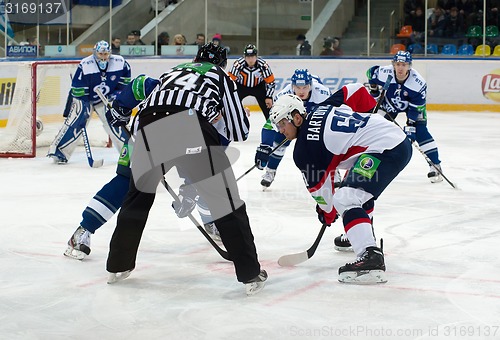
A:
<point x="118" y="116"/>
<point x="187" y="201"/>
<point x="262" y="156"/>
<point x="374" y="90"/>
<point x="410" y="130"/>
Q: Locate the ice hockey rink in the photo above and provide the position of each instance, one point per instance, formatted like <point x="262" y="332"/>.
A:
<point x="441" y="246"/>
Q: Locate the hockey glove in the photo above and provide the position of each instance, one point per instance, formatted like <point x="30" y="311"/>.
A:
<point x="262" y="156"/>
<point x="375" y="90"/>
<point x="326" y="218"/>
<point x="187" y="201"/>
<point x="118" y="116"/>
<point x="410" y="131"/>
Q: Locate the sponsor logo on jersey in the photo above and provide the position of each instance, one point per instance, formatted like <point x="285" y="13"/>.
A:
<point x="491" y="85"/>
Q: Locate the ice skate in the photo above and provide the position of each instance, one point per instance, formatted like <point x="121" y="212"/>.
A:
<point x="268" y="178"/>
<point x="212" y="230"/>
<point x="341" y="243"/>
<point x="369" y="268"/>
<point x="256" y="284"/>
<point x="57" y="159"/>
<point x="434" y="175"/>
<point x="116" y="277"/>
<point x="79" y="244"/>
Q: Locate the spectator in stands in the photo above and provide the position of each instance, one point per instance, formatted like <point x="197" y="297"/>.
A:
<point x="417" y="22"/>
<point x="115" y="45"/>
<point x="179" y="39"/>
<point x="200" y="40"/>
<point x="217" y="40"/>
<point x="137" y="35"/>
<point x="410" y="8"/>
<point x="337" y="51"/>
<point x="163" y="39"/>
<point x="455" y="24"/>
<point x="303" y="46"/>
<point x="437" y="23"/>
<point x="130" y="39"/>
<point x="327" y="47"/>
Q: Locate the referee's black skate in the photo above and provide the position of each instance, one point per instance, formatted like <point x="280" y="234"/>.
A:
<point x="256" y="284"/>
<point x="341" y="243"/>
<point x="368" y="268"/>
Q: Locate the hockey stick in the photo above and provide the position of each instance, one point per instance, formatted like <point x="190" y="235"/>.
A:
<point x="427" y="159"/>
<point x="255" y="165"/>
<point x="92" y="163"/>
<point x="294" y="259"/>
<point x="221" y="251"/>
<point x="382" y="94"/>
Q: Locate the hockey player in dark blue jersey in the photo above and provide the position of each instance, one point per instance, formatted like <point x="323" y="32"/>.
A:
<point x="372" y="149"/>
<point x="110" y="73"/>
<point x="407" y="93"/>
<point x="109" y="199"/>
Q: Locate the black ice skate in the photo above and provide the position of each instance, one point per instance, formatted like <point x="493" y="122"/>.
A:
<point x="369" y="268"/>
<point x="256" y="284"/>
<point x="341" y="243"/>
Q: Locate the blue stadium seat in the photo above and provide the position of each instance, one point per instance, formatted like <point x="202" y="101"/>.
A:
<point x="449" y="49"/>
<point x="466" y="49"/>
<point x="432" y="49"/>
<point x="416" y="49"/>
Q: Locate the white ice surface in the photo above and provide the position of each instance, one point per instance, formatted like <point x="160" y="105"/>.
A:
<point x="443" y="264"/>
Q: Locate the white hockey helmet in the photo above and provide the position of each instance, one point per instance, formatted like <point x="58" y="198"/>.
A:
<point x="102" y="51"/>
<point x="284" y="107"/>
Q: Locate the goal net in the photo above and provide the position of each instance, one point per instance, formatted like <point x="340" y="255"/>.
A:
<point x="34" y="97"/>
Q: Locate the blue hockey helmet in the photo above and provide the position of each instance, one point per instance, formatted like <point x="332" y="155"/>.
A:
<point x="301" y="77"/>
<point x="402" y="57"/>
<point x="212" y="53"/>
<point x="102" y="50"/>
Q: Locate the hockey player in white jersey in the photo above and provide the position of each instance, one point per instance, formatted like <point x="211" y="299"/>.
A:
<point x="371" y="148"/>
<point x="110" y="73"/>
<point x="407" y="93"/>
<point x="312" y="92"/>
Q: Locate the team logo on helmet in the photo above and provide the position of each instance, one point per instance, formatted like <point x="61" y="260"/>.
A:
<point x="301" y="77"/>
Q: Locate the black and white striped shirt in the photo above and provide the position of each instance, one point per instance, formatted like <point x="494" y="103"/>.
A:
<point x="248" y="76"/>
<point x="205" y="88"/>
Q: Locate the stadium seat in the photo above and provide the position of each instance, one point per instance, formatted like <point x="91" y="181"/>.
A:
<point x="449" y="49"/>
<point x="405" y="32"/>
<point x="474" y="31"/>
<point x="415" y="49"/>
<point x="483" y="50"/>
<point x="397" y="47"/>
<point x="432" y="49"/>
<point x="496" y="51"/>
<point x="492" y="31"/>
<point x="466" y="49"/>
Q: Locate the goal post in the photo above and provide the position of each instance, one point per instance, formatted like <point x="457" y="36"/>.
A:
<point x="32" y="100"/>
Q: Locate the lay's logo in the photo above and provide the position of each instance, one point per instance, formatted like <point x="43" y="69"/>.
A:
<point x="491" y="85"/>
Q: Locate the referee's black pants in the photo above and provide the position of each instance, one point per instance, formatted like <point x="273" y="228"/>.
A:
<point x="234" y="227"/>
<point x="259" y="92"/>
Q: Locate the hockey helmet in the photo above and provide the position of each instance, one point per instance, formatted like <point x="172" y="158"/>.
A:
<point x="402" y="57"/>
<point x="283" y="108"/>
<point x="250" y="50"/>
<point x="212" y="53"/>
<point x="301" y="77"/>
<point x="102" y="51"/>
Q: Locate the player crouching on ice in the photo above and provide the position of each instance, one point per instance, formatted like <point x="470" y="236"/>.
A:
<point x="110" y="73"/>
<point x="373" y="150"/>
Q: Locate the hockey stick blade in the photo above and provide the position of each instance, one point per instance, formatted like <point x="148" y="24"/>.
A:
<point x="295" y="259"/>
